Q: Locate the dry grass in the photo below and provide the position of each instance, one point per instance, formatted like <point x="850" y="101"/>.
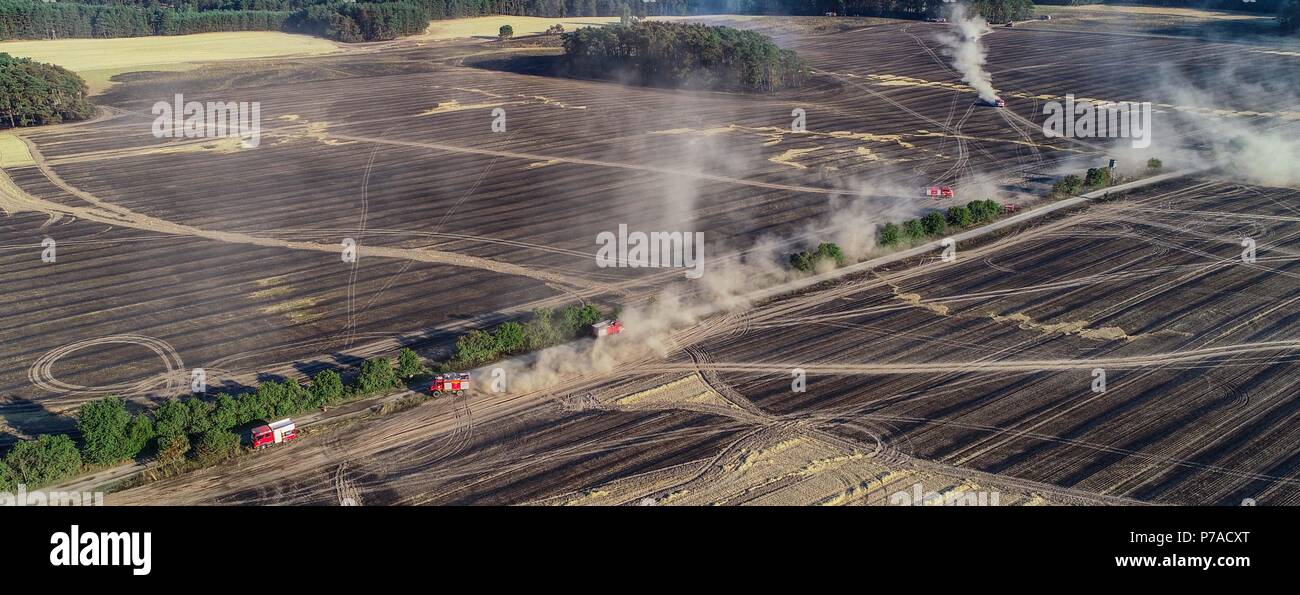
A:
<point x="13" y="153"/>
<point x="98" y="60"/>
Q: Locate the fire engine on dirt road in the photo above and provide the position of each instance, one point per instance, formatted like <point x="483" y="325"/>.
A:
<point x="606" y="328"/>
<point x="451" y="382"/>
<point x="275" y="433"/>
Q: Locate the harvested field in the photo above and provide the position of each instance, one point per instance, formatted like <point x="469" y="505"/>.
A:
<point x="954" y="379"/>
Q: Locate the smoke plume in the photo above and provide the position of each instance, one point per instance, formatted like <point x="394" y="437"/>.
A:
<point x="968" y="52"/>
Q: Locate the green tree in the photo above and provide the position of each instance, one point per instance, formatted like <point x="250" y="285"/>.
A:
<point x="409" y="364"/>
<point x="226" y="414"/>
<point x="199" y="418"/>
<point x="505" y="32"/>
<point x="376" y="375"/>
<point x="934" y="223"/>
<point x="509" y="338"/>
<point x="1096" y="177"/>
<point x="8" y="479"/>
<point x="890" y="234"/>
<point x="171" y="418"/>
<point x="327" y="387"/>
<point x="138" y="434"/>
<point x="1154" y="164"/>
<point x="576" y="320"/>
<point x="47" y="459"/>
<point x="541" y="331"/>
<point x="103" y="427"/>
<point x="172" y="449"/>
<point x="1068" y="186"/>
<point x="914" y="229"/>
<point x="475" y="347"/>
<point x="959" y="216"/>
<point x="830" y="251"/>
<point x="215" y="446"/>
<point x="802" y="261"/>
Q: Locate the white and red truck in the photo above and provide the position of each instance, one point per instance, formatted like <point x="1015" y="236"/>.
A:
<point x="606" y="328"/>
<point x="939" y="191"/>
<point x="451" y="382"/>
<point x="277" y="432"/>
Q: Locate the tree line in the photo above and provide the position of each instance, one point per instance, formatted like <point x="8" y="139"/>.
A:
<point x="195" y="432"/>
<point x="683" y="55"/>
<point x="937" y="223"/>
<point x="34" y="93"/>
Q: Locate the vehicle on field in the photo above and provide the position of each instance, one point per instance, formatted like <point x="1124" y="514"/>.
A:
<point x="606" y="328"/>
<point x="1010" y="24"/>
<point x="451" y="382"/>
<point x="995" y="102"/>
<point x="274" y="433"/>
<point x="939" y="191"/>
<point x="936" y="20"/>
<point x="1009" y="208"/>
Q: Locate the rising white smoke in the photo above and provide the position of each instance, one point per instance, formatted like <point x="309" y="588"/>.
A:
<point x="968" y="52"/>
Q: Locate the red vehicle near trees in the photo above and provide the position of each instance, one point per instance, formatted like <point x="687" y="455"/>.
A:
<point x="274" y="433"/>
<point x="605" y="328"/>
<point x="451" y="382"/>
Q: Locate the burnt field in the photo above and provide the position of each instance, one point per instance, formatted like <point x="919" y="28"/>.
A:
<point x="972" y="373"/>
<point x="183" y="253"/>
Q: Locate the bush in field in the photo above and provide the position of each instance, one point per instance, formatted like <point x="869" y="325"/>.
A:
<point x="327" y="387"/>
<point x="103" y="425"/>
<point x="832" y="252"/>
<point x="409" y="364"/>
<point x="138" y="434"/>
<point x="45" y="460"/>
<point x="200" y="416"/>
<point x="505" y="32"/>
<point x="1096" y="177"/>
<point x="890" y="234"/>
<point x="475" y="347"/>
<point x="914" y="229"/>
<point x="509" y="338"/>
<point x="8" y="479"/>
<point x="215" y="446"/>
<point x="1154" y="164"/>
<point x="1068" y="186"/>
<point x="172" y="449"/>
<point x="959" y="216"/>
<point x="250" y="408"/>
<point x="808" y="260"/>
<point x="226" y="413"/>
<point x="576" y="320"/>
<point x="541" y="331"/>
<point x="376" y="375"/>
<point x="983" y="211"/>
<point x="934" y="223"/>
<point x="171" y="418"/>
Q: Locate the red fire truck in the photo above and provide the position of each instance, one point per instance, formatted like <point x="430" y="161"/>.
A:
<point x="606" y="328"/>
<point x="452" y="382"/>
<point x="276" y="433"/>
<point x="939" y="191"/>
